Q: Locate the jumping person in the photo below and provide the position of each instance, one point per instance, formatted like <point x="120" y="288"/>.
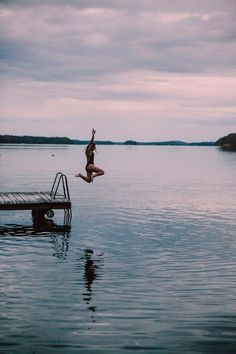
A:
<point x="92" y="170"/>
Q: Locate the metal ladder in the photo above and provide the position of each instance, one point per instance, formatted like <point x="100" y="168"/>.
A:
<point x="60" y="178"/>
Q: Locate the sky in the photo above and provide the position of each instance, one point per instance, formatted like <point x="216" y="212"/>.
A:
<point x="147" y="70"/>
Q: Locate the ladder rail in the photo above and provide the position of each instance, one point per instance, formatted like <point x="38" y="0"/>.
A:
<point x="60" y="178"/>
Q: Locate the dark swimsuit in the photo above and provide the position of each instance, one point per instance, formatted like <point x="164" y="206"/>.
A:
<point x="90" y="161"/>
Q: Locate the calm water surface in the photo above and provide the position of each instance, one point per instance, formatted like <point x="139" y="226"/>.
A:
<point x="149" y="265"/>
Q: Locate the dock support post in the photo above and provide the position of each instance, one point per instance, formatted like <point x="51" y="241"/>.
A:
<point x="38" y="215"/>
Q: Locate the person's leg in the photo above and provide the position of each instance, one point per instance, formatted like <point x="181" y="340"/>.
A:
<point x="87" y="179"/>
<point x="98" y="171"/>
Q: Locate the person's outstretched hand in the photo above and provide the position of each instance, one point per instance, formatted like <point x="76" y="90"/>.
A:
<point x="93" y="132"/>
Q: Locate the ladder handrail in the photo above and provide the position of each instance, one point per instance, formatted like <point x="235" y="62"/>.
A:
<point x="60" y="178"/>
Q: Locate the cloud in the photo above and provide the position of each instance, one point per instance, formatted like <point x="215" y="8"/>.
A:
<point x="165" y="61"/>
<point x="71" y="42"/>
<point x="161" y="5"/>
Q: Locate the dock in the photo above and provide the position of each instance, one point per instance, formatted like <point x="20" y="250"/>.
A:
<point x="40" y="203"/>
<point x="32" y="200"/>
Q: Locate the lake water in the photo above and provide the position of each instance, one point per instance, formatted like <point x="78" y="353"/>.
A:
<point x="149" y="265"/>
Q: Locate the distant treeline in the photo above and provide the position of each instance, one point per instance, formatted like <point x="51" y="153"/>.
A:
<point x="227" y="142"/>
<point x="26" y="139"/>
<point x="14" y="139"/>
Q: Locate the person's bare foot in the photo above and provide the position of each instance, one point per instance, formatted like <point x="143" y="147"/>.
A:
<point x="78" y="175"/>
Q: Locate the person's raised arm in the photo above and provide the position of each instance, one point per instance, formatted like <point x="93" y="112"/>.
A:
<point x="91" y="140"/>
<point x="93" y="135"/>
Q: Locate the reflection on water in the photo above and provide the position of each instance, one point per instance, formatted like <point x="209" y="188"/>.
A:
<point x="89" y="275"/>
<point x="147" y="266"/>
<point x="60" y="246"/>
<point x="91" y="265"/>
<point x="58" y="234"/>
<point x="45" y="228"/>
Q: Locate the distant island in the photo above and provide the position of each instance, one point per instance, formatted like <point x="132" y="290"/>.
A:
<point x="170" y="142"/>
<point x="27" y="139"/>
<point x="227" y="142"/>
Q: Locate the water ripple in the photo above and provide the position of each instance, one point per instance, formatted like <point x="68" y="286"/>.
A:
<point x="148" y="264"/>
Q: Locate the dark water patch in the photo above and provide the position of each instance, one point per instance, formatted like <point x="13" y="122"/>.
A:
<point x="146" y="349"/>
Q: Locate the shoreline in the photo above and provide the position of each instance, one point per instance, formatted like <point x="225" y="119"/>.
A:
<point x="38" y="140"/>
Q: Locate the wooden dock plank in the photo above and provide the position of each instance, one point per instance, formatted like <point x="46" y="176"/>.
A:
<point x="37" y="198"/>
<point x="7" y="198"/>
<point x="32" y="200"/>
<point x="2" y="200"/>
<point x="11" y="197"/>
<point x="29" y="197"/>
<point x="46" y="196"/>
<point x="43" y="197"/>
<point x="18" y="198"/>
<point x="25" y="198"/>
<point x="21" y="196"/>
